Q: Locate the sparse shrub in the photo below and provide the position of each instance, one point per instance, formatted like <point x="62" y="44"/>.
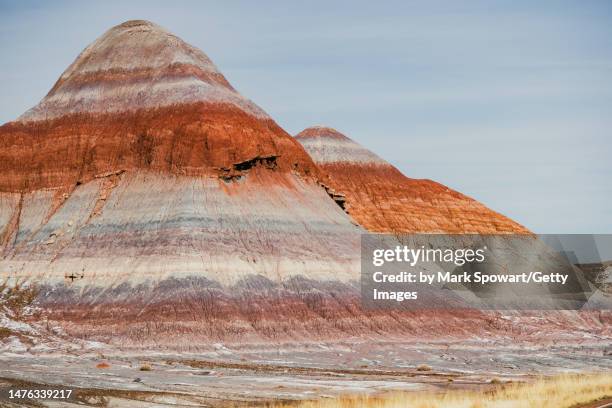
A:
<point x="495" y="380"/>
<point x="145" y="367"/>
<point x="15" y="298"/>
<point x="15" y="303"/>
<point x="4" y="333"/>
<point x="423" y="367"/>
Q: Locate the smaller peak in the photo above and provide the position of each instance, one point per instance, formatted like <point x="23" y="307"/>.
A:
<point x="326" y="145"/>
<point x="322" y="132"/>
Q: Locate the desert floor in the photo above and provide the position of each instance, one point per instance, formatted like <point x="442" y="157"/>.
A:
<point x="250" y="375"/>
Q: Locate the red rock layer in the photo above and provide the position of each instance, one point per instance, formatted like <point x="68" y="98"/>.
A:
<point x="381" y="199"/>
<point x="260" y="310"/>
<point x="194" y="139"/>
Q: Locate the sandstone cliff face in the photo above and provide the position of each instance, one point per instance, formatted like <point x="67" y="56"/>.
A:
<point x="381" y="199"/>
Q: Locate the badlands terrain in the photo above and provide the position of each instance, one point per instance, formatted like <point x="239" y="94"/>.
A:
<point x="163" y="240"/>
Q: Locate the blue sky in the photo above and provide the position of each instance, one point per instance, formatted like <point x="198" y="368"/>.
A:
<point x="508" y="102"/>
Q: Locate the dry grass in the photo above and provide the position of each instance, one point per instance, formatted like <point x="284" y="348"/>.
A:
<point x="557" y="392"/>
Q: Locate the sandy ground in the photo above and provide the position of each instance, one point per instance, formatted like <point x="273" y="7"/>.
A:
<point x="246" y="375"/>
